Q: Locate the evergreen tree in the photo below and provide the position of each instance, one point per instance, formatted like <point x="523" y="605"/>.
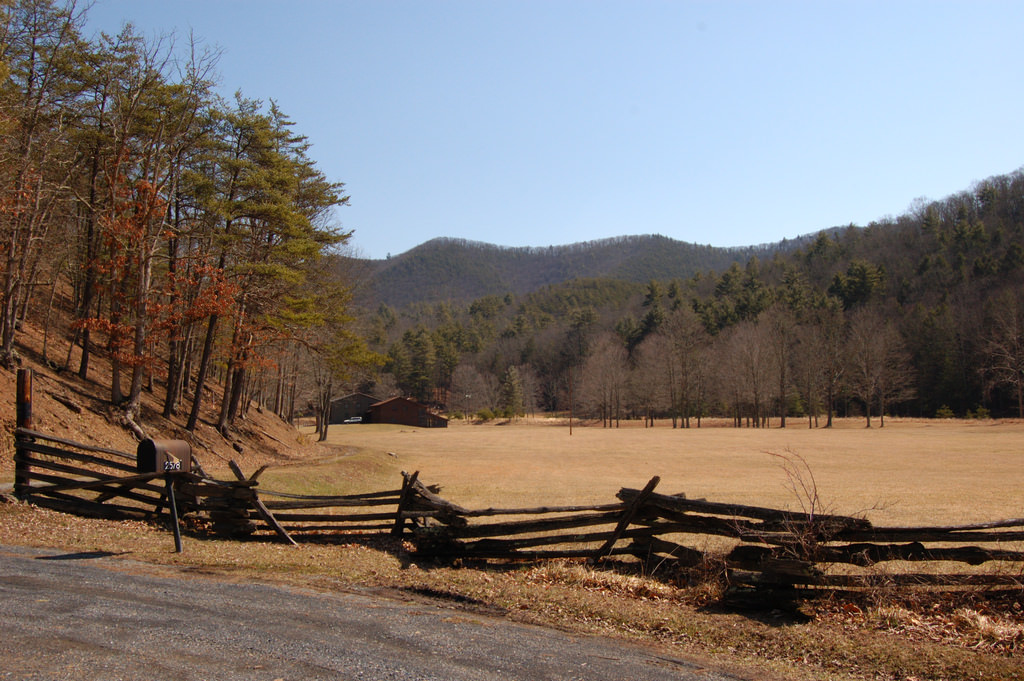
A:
<point x="512" y="403"/>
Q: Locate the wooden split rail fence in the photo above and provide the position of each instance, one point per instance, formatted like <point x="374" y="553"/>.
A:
<point x="98" y="482"/>
<point x="769" y="546"/>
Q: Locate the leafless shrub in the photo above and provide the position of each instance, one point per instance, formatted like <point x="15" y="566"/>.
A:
<point x="800" y="481"/>
<point x="811" y="531"/>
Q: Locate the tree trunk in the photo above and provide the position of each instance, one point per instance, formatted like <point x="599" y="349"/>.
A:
<point x="291" y="403"/>
<point x="10" y="292"/>
<point x="204" y="366"/>
<point x="324" y="416"/>
<point x="174" y="354"/>
<point x="237" y="386"/>
<point x="173" y="376"/>
<point x="116" y="396"/>
<point x="829" y="407"/>
<point x="230" y="375"/>
<point x="141" y="335"/>
<point x="89" y="286"/>
<point x="279" y="389"/>
<point x="46" y="319"/>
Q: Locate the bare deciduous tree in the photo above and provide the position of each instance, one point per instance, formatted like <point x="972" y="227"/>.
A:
<point x="689" y="343"/>
<point x="749" y="371"/>
<point x="1004" y="349"/>
<point x="604" y="380"/>
<point x="879" y="366"/>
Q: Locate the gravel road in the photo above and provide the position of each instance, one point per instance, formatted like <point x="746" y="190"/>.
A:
<point x="87" y="616"/>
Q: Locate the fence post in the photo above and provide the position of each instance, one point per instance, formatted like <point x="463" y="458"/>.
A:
<point x="24" y="421"/>
<point x="408" y="481"/>
<point x="627" y="518"/>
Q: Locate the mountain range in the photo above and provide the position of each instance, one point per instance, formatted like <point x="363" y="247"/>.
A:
<point x="459" y="271"/>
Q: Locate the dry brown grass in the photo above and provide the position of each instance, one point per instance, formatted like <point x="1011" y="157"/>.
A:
<point x="911" y="472"/>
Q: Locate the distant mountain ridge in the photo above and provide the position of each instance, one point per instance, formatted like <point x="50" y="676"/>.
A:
<point x="460" y="270"/>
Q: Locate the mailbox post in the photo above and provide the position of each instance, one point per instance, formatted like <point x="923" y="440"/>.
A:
<point x="23" y="410"/>
<point x="172" y="457"/>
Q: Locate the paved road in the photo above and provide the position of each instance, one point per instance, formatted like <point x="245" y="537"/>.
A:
<point x="83" y="616"/>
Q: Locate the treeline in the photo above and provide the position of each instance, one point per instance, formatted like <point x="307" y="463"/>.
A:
<point x="190" y="235"/>
<point x="918" y="315"/>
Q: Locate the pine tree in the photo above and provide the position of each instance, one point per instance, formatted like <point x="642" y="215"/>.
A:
<point x="512" y="393"/>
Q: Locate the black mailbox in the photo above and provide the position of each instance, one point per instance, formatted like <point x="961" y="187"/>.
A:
<point x="164" y="456"/>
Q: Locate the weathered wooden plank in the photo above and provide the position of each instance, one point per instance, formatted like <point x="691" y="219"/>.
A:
<point x="77" y="506"/>
<point x="331" y="518"/>
<point x="230" y="513"/>
<point x="267" y="516"/>
<point x="627" y="518"/>
<point x="773" y="571"/>
<point x="272" y="521"/>
<point x="314" y="498"/>
<point x="114" y="484"/>
<point x="498" y="554"/>
<point x="225" y="491"/>
<point x="995" y="524"/>
<point x="26" y="432"/>
<point x="555" y="539"/>
<point x="534" y="526"/>
<point x="910" y="534"/>
<point x="408" y="481"/>
<point x="197" y="468"/>
<point x="242" y="481"/>
<point x="746" y="557"/>
<point x="222" y="504"/>
<point x="542" y="510"/>
<point x="508" y="545"/>
<point x="869" y="554"/>
<point x="258" y="473"/>
<point x="235" y="529"/>
<point x="340" y="529"/>
<point x="655" y="550"/>
<point x="338" y="503"/>
<point x="679" y="503"/>
<point x="120" y="490"/>
<point x="76" y="456"/>
<point x="37" y="492"/>
<point x="706" y="524"/>
<point x="36" y="462"/>
<point x="430" y="499"/>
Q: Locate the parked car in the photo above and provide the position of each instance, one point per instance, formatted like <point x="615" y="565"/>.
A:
<point x="353" y="419"/>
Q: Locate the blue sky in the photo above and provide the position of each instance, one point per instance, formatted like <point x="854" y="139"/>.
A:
<point x="544" y="122"/>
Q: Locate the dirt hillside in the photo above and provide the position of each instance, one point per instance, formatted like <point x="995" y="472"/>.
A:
<point x="66" y="406"/>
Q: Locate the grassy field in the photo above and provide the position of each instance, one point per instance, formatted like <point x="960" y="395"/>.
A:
<point x="911" y="472"/>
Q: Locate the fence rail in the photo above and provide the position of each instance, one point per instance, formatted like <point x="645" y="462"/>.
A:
<point x="771" y="546"/>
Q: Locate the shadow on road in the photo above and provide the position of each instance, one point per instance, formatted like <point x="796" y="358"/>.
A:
<point x="82" y="555"/>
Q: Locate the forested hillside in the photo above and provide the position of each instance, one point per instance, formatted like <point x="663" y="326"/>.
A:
<point x="184" y="237"/>
<point x="921" y="314"/>
<point x="459" y="271"/>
